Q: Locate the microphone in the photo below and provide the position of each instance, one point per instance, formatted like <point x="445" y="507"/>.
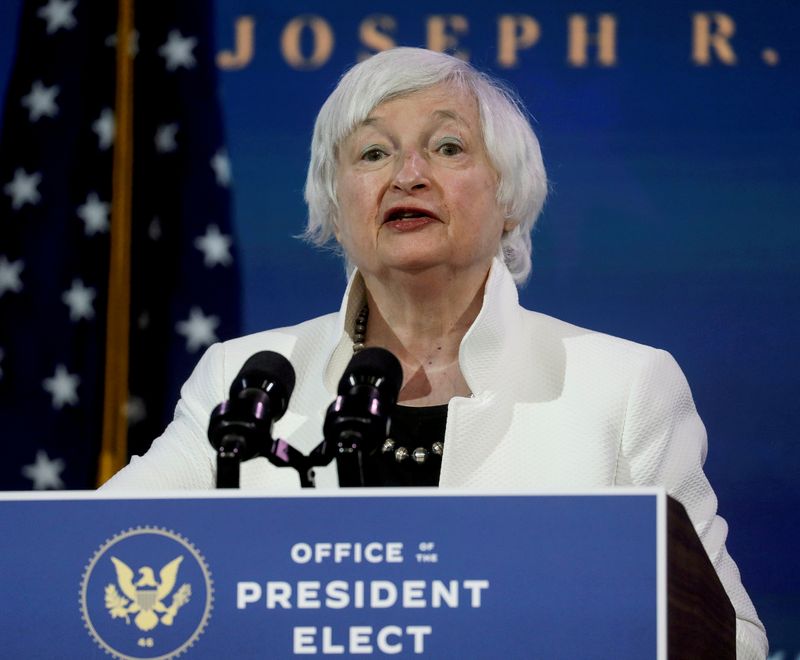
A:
<point x="358" y="420"/>
<point x="269" y="373"/>
<point x="241" y="427"/>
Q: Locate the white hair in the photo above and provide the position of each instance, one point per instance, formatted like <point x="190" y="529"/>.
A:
<point x="510" y="142"/>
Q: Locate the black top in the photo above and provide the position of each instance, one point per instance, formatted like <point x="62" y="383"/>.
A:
<point x="411" y="428"/>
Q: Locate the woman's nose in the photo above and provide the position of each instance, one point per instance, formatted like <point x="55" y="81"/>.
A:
<point x="412" y="172"/>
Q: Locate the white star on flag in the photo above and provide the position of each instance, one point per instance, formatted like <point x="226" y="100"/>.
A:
<point x="79" y="298"/>
<point x="45" y="473"/>
<point x="23" y="189"/>
<point x="135" y="410"/>
<point x="105" y="128"/>
<point x="94" y="214"/>
<point x="62" y="387"/>
<point x="58" y="14"/>
<point x="198" y="329"/>
<point x="40" y="101"/>
<point x="9" y="275"/>
<point x="154" y="229"/>
<point x="177" y="51"/>
<point x="165" y="138"/>
<point x="216" y="247"/>
<point x="221" y="165"/>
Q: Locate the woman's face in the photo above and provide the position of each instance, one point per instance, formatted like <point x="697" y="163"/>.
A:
<point x="416" y="189"/>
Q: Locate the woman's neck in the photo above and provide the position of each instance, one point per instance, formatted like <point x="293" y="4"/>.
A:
<point x="423" y="321"/>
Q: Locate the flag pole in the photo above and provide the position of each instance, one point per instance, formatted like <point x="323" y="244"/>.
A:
<point x="114" y="449"/>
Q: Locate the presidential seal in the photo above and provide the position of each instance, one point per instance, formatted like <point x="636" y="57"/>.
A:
<point x="146" y="594"/>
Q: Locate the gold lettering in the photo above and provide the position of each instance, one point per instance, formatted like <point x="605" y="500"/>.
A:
<point x="322" y="38"/>
<point x="373" y="33"/>
<point x="579" y="40"/>
<point x="704" y="39"/>
<point x="240" y="57"/>
<point x="515" y="32"/>
<point x="441" y="39"/>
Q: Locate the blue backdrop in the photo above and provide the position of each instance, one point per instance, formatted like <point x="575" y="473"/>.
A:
<point x="672" y="145"/>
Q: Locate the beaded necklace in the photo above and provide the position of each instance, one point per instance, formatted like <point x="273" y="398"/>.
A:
<point x="390" y="447"/>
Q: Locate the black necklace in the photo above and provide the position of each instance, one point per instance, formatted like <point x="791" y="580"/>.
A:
<point x="401" y="454"/>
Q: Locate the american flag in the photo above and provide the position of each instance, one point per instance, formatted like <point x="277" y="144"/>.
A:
<point x="56" y="150"/>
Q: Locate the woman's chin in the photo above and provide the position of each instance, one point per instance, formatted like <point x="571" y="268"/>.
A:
<point x="410" y="253"/>
<point x="424" y="265"/>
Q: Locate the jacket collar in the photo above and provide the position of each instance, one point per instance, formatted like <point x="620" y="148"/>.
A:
<point x="340" y="349"/>
<point x="485" y="349"/>
<point x="489" y="343"/>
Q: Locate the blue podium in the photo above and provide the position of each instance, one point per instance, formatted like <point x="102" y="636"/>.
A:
<point x="407" y="573"/>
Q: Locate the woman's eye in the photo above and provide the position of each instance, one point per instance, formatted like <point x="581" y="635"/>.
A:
<point x="450" y="149"/>
<point x="373" y="154"/>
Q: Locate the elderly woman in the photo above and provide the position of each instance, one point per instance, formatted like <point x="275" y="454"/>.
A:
<point x="429" y="177"/>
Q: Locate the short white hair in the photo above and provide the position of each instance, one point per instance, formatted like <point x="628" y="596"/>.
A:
<point x="510" y="142"/>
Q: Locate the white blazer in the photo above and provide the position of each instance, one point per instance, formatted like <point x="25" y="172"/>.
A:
<point x="553" y="406"/>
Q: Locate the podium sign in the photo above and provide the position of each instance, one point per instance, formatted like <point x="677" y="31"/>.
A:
<point x="406" y="573"/>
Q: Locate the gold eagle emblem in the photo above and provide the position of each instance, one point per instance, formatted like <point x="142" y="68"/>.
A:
<point x="145" y="596"/>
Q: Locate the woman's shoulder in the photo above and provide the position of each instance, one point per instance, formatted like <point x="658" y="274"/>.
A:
<point x="283" y="337"/>
<point x="542" y="324"/>
<point x="299" y="341"/>
<point x="590" y="350"/>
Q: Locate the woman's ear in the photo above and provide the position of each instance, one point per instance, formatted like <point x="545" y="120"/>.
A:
<point x="509" y="222"/>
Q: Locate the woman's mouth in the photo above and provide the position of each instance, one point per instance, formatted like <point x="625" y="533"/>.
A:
<point x="408" y="219"/>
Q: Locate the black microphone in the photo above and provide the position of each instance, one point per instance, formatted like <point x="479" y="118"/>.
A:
<point x="267" y="372"/>
<point x="241" y="427"/>
<point x="358" y="420"/>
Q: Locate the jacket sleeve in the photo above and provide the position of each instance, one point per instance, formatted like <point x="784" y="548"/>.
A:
<point x="664" y="444"/>
<point x="181" y="458"/>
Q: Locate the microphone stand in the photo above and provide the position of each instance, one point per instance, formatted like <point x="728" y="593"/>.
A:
<point x="348" y="456"/>
<point x="229" y="458"/>
<point x="282" y="454"/>
<point x="235" y="447"/>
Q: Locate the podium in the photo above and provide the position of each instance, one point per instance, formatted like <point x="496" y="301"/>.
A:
<point x="616" y="573"/>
